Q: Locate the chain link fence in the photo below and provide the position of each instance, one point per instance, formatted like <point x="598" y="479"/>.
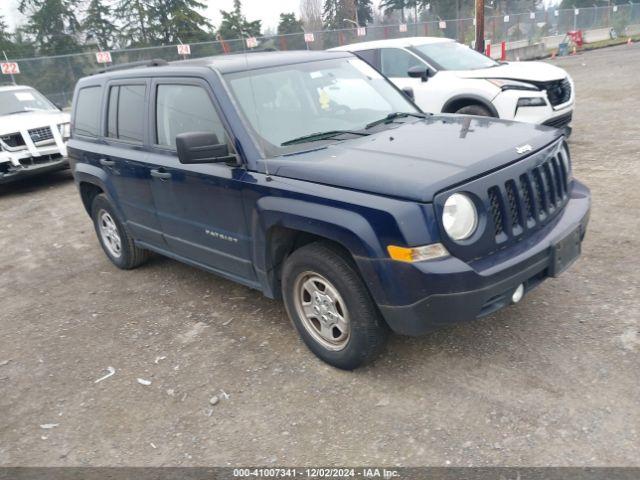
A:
<point x="55" y="76"/>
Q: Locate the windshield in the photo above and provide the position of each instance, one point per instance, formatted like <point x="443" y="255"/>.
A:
<point x="285" y="103"/>
<point x="24" y="100"/>
<point x="453" y="56"/>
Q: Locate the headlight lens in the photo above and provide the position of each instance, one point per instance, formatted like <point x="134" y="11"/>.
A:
<point x="512" y="84"/>
<point x="460" y="217"/>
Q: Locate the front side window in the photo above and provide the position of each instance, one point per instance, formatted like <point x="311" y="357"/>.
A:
<point x="87" y="114"/>
<point x="125" y="114"/>
<point x="396" y="62"/>
<point x="183" y="109"/>
<point x="24" y="100"/>
<point x="290" y="101"/>
<point x="454" y="56"/>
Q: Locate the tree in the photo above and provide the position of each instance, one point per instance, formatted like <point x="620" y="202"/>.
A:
<point x="311" y="14"/>
<point x="289" y="24"/>
<point x="235" y="25"/>
<point x="365" y="12"/>
<point x="97" y="24"/>
<point x="336" y="12"/>
<point x="390" y="6"/>
<point x="52" y="23"/>
<point x="6" y="43"/>
<point x="178" y="20"/>
<point x="133" y="16"/>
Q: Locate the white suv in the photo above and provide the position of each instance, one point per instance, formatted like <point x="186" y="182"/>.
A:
<point x="33" y="134"/>
<point x="446" y="76"/>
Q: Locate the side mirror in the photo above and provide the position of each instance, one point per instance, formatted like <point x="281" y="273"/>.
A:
<point x="408" y="91"/>
<point x="202" y="147"/>
<point x="419" y="71"/>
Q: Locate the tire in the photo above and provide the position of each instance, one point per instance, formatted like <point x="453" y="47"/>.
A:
<point x="477" y="110"/>
<point x="121" y="250"/>
<point x="353" y="332"/>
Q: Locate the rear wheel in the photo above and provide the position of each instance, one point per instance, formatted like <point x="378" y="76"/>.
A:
<point x="478" y="110"/>
<point x="115" y="240"/>
<point x="331" y="308"/>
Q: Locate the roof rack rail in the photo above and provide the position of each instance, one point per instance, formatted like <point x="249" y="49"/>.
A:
<point x="156" y="62"/>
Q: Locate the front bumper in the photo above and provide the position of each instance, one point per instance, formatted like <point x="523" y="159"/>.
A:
<point x="559" y="116"/>
<point x="28" y="166"/>
<point x="453" y="291"/>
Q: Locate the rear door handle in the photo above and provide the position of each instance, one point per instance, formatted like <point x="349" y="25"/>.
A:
<point x="162" y="175"/>
<point x="107" y="163"/>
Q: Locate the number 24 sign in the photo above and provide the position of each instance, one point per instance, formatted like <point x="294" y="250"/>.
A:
<point x="10" y="68"/>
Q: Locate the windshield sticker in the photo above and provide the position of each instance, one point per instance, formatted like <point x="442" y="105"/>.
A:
<point x="25" y="96"/>
<point x="315" y="74"/>
<point x="324" y="100"/>
<point x="366" y="69"/>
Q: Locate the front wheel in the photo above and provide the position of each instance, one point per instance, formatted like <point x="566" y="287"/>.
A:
<point x="331" y="308"/>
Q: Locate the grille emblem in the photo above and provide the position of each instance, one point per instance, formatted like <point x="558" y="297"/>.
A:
<point x="524" y="149"/>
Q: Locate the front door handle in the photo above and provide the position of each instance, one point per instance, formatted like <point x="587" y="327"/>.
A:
<point x="107" y="163"/>
<point x="161" y="174"/>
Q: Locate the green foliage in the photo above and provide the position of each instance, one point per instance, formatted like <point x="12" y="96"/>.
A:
<point x="235" y="25"/>
<point x="289" y="24"/>
<point x="178" y="20"/>
<point x="52" y="24"/>
<point x="336" y="12"/>
<point x="365" y="12"/>
<point x="134" y="19"/>
<point x="97" y="24"/>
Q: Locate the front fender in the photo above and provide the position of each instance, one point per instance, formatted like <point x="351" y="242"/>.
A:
<point x="344" y="227"/>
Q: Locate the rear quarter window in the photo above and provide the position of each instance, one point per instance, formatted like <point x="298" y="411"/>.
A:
<point x="87" y="114"/>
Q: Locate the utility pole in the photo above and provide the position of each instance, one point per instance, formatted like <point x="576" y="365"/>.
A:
<point x="480" y="26"/>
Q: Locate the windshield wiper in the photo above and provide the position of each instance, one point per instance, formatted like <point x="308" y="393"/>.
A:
<point x="392" y="116"/>
<point x="312" y="137"/>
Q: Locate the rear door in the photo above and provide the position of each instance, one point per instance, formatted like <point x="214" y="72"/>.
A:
<point x="125" y="159"/>
<point x="199" y="206"/>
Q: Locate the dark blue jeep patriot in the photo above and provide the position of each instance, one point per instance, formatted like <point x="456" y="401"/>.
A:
<point x="309" y="176"/>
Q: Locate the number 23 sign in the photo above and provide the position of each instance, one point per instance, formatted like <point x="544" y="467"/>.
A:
<point x="10" y="68"/>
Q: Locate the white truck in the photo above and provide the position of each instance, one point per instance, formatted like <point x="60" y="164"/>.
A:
<point x="33" y="134"/>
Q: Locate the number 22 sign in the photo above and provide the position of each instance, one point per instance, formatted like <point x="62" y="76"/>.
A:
<point x="10" y="68"/>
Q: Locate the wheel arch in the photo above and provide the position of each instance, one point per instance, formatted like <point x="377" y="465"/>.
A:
<point x="282" y="225"/>
<point x="459" y="101"/>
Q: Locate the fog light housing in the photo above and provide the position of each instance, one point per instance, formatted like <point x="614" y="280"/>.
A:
<point x="531" y="102"/>
<point x="417" y="254"/>
<point x="518" y="294"/>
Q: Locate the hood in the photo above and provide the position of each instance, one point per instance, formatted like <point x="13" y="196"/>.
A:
<point x="26" y="121"/>
<point x="419" y="159"/>
<point x="524" y="71"/>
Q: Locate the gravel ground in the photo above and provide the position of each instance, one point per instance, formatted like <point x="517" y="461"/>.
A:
<point x="551" y="381"/>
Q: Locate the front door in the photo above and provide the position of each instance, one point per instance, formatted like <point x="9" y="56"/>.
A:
<point x="200" y="207"/>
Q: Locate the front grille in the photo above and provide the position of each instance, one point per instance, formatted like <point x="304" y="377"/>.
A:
<point x="32" y="161"/>
<point x="530" y="200"/>
<point x="558" y="91"/>
<point x="561" y="121"/>
<point x="13" y="140"/>
<point x="40" y="134"/>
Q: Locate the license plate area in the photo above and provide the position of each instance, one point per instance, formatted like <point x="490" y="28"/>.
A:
<point x="565" y="251"/>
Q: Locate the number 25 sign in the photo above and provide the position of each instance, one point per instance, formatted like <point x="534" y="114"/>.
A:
<point x="10" y="68"/>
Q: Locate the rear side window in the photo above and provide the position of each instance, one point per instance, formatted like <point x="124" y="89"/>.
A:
<point x="87" y="115"/>
<point x="125" y="114"/>
<point x="183" y="109"/>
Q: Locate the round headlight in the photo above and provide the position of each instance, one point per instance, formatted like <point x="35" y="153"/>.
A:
<point x="460" y="217"/>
